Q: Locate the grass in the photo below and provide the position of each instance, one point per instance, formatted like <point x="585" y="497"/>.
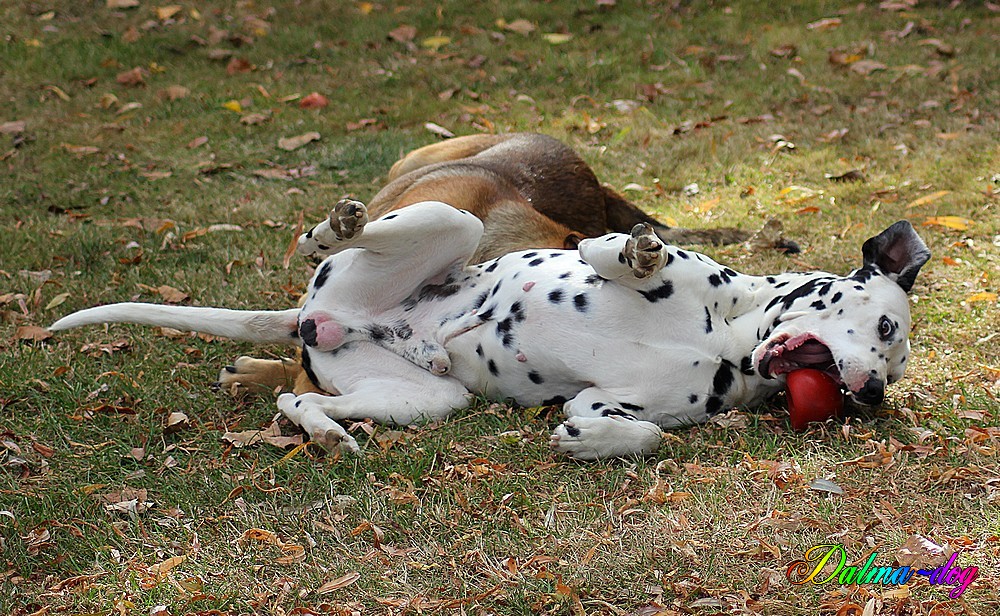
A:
<point x="468" y="517"/>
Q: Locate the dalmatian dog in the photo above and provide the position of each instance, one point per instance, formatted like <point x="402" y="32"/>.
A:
<point x="630" y="335"/>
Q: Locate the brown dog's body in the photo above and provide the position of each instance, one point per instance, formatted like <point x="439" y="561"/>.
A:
<point x="530" y="191"/>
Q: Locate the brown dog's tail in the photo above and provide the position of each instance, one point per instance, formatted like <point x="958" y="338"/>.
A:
<point x="622" y="215"/>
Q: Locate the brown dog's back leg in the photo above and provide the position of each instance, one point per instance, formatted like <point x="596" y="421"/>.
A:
<point x="452" y="149"/>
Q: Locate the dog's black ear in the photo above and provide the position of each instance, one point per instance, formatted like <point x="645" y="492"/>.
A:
<point x="898" y="252"/>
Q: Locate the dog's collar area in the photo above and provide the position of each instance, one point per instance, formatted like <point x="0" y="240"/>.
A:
<point x="786" y="354"/>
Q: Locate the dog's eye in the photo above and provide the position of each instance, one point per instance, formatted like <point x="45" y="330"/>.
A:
<point x="886" y="328"/>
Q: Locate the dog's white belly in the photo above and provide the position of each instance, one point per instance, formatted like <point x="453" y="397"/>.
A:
<point x="556" y="328"/>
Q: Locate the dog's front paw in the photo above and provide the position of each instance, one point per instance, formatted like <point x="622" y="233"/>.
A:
<point x="312" y="418"/>
<point x="348" y="219"/>
<point x="643" y="251"/>
<point x="591" y="438"/>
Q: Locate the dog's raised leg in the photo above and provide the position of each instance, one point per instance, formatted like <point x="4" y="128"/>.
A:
<point x="627" y="259"/>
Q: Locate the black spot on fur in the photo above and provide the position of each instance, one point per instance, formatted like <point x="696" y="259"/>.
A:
<point x="307" y="331"/>
<point x="593" y="280"/>
<point x="529" y="255"/>
<point x="714" y="280"/>
<point x="487" y="314"/>
<point x="632" y="407"/>
<point x="556" y="296"/>
<point x="565" y="276"/>
<point x="595" y="406"/>
<point x="379" y="333"/>
<point x="479" y="350"/>
<point x="621" y="258"/>
<point x="402" y="330"/>
<point x="836" y="297"/>
<point x="553" y="401"/>
<point x="322" y="247"/>
<point x="613" y="412"/>
<point x="476" y="305"/>
<point x="492" y="365"/>
<point x="723" y="379"/>
<point x="746" y="366"/>
<point x="818" y="305"/>
<point x="573" y="431"/>
<point x="535" y="378"/>
<point x="390" y="216"/>
<point x="682" y="254"/>
<point x="536" y="262"/>
<point x="708" y="321"/>
<point x="517" y="311"/>
<point x="307" y="368"/>
<point x="663" y="291"/>
<point x="322" y="275"/>
<point x="713" y="405"/>
<point x="493" y="266"/>
<point x="580" y="301"/>
<point x="693" y="398"/>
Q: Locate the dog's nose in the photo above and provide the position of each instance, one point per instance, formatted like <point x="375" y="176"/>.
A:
<point x="872" y="394"/>
<point x="307" y="331"/>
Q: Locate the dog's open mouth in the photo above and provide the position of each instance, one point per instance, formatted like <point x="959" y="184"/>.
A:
<point x="786" y="353"/>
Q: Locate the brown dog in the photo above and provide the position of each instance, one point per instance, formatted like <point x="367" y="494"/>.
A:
<point x="530" y="191"/>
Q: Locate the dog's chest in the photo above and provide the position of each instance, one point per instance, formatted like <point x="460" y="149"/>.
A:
<point x="547" y="326"/>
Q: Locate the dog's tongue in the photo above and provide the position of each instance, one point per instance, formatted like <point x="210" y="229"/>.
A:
<point x="812" y="396"/>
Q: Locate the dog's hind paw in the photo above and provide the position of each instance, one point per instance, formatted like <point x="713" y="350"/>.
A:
<point x="644" y="251"/>
<point x="346" y="221"/>
<point x="252" y="374"/>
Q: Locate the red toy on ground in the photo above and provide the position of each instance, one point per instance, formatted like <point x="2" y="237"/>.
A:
<point x="812" y="396"/>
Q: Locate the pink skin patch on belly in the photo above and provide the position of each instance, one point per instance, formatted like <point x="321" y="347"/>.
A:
<point x="327" y="334"/>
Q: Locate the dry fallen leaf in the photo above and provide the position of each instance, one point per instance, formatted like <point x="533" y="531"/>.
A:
<point x="271" y="435"/>
<point x="127" y="501"/>
<point x="162" y="568"/>
<point x="132" y="77"/>
<point x="952" y="222"/>
<point x="313" y="101"/>
<point x="252" y="119"/>
<point x="166" y="12"/>
<point x="437" y="129"/>
<point x="403" y="33"/>
<point x="171" y="295"/>
<point x="293" y="143"/>
<point x="32" y="333"/>
<point x="12" y="128"/>
<point x="827" y="23"/>
<point x="984" y="296"/>
<point x="173" y="93"/>
<point x="867" y="67"/>
<point x="927" y="198"/>
<point x="341" y="582"/>
<point x="237" y="66"/>
<point x="922" y="553"/>
<point x="122" y="4"/>
<point x="197" y="142"/>
<point x="176" y="421"/>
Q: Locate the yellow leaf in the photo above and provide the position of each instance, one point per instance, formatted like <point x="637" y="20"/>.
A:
<point x="928" y="198"/>
<point x="671" y="221"/>
<point x="985" y="296"/>
<point x="557" y="38"/>
<point x="365" y="7"/>
<point x="951" y="222"/>
<point x="32" y="42"/>
<point x="705" y="206"/>
<point x="166" y="12"/>
<point x="162" y="568"/>
<point x="435" y="42"/>
<point x="233" y="105"/>
<point x="57" y="300"/>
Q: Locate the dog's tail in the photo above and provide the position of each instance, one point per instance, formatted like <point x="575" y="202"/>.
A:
<point x="622" y="215"/>
<point x="252" y="325"/>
